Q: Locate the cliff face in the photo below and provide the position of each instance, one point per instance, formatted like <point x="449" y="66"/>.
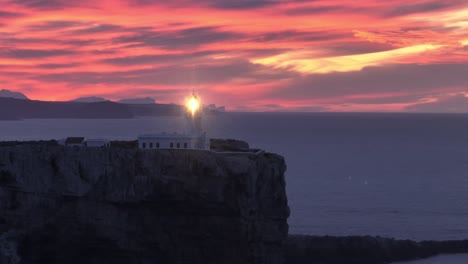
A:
<point x="97" y="205"/>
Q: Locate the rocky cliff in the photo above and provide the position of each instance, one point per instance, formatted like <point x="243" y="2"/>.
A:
<point x="117" y="205"/>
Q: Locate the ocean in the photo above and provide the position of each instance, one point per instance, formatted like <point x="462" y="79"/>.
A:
<point x="395" y="175"/>
<point x="442" y="259"/>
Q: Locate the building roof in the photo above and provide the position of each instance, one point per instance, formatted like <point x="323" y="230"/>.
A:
<point x="74" y="140"/>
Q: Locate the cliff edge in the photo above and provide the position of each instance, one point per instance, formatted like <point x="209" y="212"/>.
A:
<point x="118" y="205"/>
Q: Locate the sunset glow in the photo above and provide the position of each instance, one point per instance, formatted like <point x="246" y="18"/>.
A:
<point x="247" y="55"/>
<point x="302" y="62"/>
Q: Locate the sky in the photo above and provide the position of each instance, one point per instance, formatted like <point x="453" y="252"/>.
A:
<point x="248" y="55"/>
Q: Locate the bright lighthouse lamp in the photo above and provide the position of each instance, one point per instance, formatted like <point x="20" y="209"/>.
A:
<point x="193" y="104"/>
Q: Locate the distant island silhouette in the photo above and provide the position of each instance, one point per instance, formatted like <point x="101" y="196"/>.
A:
<point x="16" y="105"/>
<point x="12" y="94"/>
<point x="11" y="109"/>
<point x="96" y="99"/>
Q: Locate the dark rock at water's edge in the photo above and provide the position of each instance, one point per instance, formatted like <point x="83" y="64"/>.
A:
<point x="125" y="205"/>
<point x="303" y="249"/>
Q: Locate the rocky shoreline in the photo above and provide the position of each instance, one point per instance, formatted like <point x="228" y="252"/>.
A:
<point x="302" y="249"/>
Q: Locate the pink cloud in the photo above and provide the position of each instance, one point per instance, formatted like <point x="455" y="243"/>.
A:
<point x="261" y="55"/>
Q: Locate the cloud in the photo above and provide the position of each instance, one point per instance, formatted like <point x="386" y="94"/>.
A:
<point x="399" y="80"/>
<point x="425" y="7"/>
<point x="217" y="4"/>
<point x="385" y="10"/>
<point x="53" y="25"/>
<point x="159" y="58"/>
<point x="6" y="14"/>
<point x="346" y="47"/>
<point x="308" y="36"/>
<point x="97" y="28"/>
<point x="286" y="108"/>
<point x="12" y="41"/>
<point x="312" y="10"/>
<point x="222" y="71"/>
<point x="185" y="38"/>
<point x="57" y="65"/>
<point x="303" y="60"/>
<point x="43" y="4"/>
<point x="260" y="54"/>
<point x="386" y="98"/>
<point x="256" y="53"/>
<point x="159" y="94"/>
<point x="456" y="103"/>
<point x="33" y="53"/>
<point x="79" y="42"/>
<point x="240" y="4"/>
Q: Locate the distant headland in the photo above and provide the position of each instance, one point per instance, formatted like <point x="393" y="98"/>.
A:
<point x="15" y="106"/>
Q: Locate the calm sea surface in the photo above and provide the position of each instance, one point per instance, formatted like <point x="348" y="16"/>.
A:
<point x="443" y="259"/>
<point x="396" y="175"/>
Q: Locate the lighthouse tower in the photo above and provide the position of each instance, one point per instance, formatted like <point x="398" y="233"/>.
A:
<point x="193" y="116"/>
<point x="193" y="137"/>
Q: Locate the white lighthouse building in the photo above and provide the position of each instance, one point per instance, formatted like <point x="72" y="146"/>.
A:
<point x="193" y="138"/>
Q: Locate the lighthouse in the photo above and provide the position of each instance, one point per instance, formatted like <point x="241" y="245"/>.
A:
<point x="193" y="115"/>
<point x="192" y="138"/>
